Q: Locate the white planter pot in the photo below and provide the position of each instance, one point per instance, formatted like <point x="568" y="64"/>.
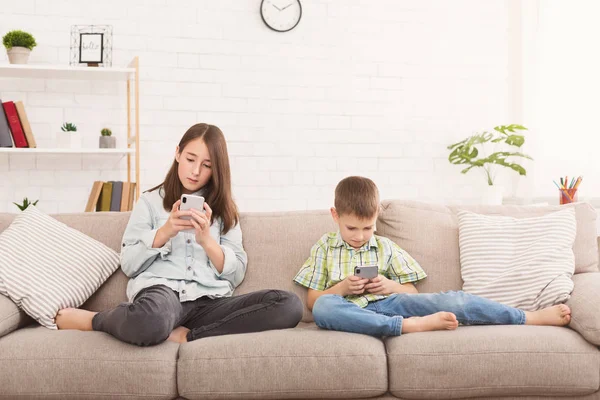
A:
<point x="18" y="55"/>
<point x="492" y="195"/>
<point x="68" y="140"/>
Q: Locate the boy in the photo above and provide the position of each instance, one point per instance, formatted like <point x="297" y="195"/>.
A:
<point x="389" y="304"/>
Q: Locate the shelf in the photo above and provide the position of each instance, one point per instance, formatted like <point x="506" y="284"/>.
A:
<point x="15" y="150"/>
<point x="51" y="71"/>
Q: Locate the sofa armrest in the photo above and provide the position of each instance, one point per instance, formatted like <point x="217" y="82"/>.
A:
<point x="11" y="317"/>
<point x="585" y="306"/>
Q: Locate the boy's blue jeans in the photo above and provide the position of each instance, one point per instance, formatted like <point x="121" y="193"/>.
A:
<point x="384" y="317"/>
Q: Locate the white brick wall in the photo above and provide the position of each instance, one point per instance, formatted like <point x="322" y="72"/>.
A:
<point x="376" y="88"/>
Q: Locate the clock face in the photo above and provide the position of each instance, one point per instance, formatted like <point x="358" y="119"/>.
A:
<point x="281" y="15"/>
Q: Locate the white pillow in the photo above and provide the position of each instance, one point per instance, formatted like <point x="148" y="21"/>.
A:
<point x="46" y="266"/>
<point x="525" y="263"/>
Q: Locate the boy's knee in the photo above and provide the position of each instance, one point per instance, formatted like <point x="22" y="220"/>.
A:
<point x="323" y="308"/>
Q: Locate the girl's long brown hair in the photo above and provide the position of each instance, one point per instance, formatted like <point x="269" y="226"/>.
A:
<point x="217" y="192"/>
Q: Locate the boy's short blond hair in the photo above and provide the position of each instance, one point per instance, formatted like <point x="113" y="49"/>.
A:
<point x="357" y="195"/>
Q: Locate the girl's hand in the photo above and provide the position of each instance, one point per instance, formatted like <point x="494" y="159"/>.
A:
<point x="201" y="222"/>
<point x="381" y="285"/>
<point x="174" y="223"/>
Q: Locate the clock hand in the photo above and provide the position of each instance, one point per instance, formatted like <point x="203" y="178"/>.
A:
<point x="286" y="6"/>
<point x="279" y="9"/>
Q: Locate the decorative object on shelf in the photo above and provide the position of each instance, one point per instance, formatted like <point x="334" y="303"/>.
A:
<point x="281" y="15"/>
<point x="18" y="46"/>
<point x="107" y="141"/>
<point x="467" y="152"/>
<point x="26" y="203"/>
<point x="91" y="45"/>
<point x="69" y="139"/>
<point x="567" y="191"/>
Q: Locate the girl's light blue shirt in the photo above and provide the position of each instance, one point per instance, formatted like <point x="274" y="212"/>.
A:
<point x="181" y="264"/>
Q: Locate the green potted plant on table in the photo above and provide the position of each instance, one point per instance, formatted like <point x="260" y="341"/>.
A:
<point x="107" y="141"/>
<point x="18" y="46"/>
<point x="470" y="152"/>
<point x="26" y="203"/>
<point x="68" y="138"/>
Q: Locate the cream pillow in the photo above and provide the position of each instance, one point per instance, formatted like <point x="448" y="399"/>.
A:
<point x="46" y="266"/>
<point x="525" y="263"/>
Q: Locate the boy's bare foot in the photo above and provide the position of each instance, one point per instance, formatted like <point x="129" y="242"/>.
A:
<point x="74" y="318"/>
<point x="559" y="315"/>
<point x="435" y="322"/>
<point x="179" y="334"/>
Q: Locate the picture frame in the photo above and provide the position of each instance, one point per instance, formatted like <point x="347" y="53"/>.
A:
<point x="91" y="45"/>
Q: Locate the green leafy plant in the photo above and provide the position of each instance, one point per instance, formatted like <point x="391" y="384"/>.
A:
<point x="26" y="203"/>
<point x="68" y="127"/>
<point x="18" y="39"/>
<point x="106" y="132"/>
<point x="467" y="152"/>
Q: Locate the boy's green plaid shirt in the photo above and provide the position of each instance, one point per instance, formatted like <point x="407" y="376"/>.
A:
<point x="332" y="260"/>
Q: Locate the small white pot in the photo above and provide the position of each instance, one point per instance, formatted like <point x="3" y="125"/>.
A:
<point x="492" y="195"/>
<point x="68" y="140"/>
<point x="18" y="55"/>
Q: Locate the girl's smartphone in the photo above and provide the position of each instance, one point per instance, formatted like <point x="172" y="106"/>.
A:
<point x="366" y="271"/>
<point x="189" y="201"/>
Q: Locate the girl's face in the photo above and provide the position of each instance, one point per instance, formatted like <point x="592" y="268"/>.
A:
<point x="194" y="168"/>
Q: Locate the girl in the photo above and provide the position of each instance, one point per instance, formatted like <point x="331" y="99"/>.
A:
<point x="182" y="283"/>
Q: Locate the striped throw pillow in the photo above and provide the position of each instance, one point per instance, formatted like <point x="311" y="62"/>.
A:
<point x="46" y="266"/>
<point x="525" y="263"/>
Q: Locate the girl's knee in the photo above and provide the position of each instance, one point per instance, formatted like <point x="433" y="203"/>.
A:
<point x="292" y="308"/>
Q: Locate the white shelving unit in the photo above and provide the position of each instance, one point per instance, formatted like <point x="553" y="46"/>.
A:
<point x="128" y="74"/>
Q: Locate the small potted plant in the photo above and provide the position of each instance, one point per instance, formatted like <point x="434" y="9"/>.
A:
<point x="107" y="141"/>
<point x="26" y="203"/>
<point x="69" y="139"/>
<point x="467" y="152"/>
<point x="18" y="46"/>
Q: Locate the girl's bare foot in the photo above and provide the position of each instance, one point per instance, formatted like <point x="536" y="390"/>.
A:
<point x="435" y="322"/>
<point x="74" y="318"/>
<point x="179" y="334"/>
<point x="559" y="315"/>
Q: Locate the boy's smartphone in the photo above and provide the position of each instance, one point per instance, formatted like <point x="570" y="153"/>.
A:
<point x="366" y="271"/>
<point x="189" y="201"/>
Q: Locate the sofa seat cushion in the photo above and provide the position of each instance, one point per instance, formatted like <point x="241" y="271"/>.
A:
<point x="490" y="361"/>
<point x="39" y="362"/>
<point x="304" y="362"/>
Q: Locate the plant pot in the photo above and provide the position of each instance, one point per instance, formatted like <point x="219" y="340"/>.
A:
<point x="492" y="195"/>
<point x="18" y="55"/>
<point x="68" y="140"/>
<point x="108" y="142"/>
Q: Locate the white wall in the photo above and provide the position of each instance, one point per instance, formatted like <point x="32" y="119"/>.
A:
<point x="376" y="88"/>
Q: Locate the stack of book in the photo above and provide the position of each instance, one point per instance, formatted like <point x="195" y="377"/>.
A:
<point x="111" y="196"/>
<point x="15" y="130"/>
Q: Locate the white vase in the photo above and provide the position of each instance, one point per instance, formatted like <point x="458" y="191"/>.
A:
<point x="68" y="140"/>
<point x="492" y="195"/>
<point x="18" y="55"/>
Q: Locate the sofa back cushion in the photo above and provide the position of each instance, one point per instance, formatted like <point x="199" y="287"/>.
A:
<point x="277" y="245"/>
<point x="429" y="233"/>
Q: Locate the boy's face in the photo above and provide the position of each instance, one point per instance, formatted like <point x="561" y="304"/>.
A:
<point x="354" y="230"/>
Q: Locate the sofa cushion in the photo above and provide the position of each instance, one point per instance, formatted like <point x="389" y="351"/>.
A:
<point x="304" y="362"/>
<point x="525" y="263"/>
<point x="584" y="302"/>
<point x="429" y="232"/>
<point x="11" y="316"/>
<point x="46" y="266"/>
<point x="490" y="361"/>
<point x="36" y="361"/>
<point x="277" y="245"/>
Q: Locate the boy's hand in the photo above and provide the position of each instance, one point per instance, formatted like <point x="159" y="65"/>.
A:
<point x="381" y="285"/>
<point x="353" y="285"/>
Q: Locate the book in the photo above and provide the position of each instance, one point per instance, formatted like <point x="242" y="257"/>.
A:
<point x="105" y="196"/>
<point x="5" y="136"/>
<point x="15" y="124"/>
<point x="125" y="196"/>
<point x="115" y="199"/>
<point x="132" y="195"/>
<point x="25" y="124"/>
<point x="94" y="196"/>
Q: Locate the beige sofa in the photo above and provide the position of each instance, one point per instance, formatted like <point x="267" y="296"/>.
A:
<point x="306" y="362"/>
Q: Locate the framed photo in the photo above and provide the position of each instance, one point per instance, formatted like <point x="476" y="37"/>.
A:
<point x="91" y="47"/>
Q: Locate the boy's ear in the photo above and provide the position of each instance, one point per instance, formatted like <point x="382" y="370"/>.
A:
<point x="335" y="215"/>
